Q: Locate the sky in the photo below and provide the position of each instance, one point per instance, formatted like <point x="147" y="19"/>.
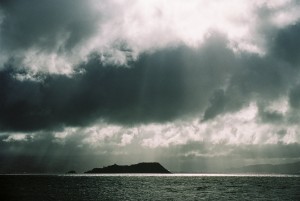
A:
<point x="196" y="85"/>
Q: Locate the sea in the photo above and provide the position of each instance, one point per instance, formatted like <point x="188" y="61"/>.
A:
<point x="184" y="187"/>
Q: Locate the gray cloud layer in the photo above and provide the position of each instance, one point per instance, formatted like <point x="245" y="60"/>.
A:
<point x="158" y="87"/>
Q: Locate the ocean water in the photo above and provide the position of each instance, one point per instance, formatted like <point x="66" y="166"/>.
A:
<point x="149" y="187"/>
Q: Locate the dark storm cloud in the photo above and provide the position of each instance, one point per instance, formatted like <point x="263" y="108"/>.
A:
<point x="257" y="79"/>
<point x="217" y="103"/>
<point x="294" y="97"/>
<point x="157" y="87"/>
<point x="287" y="44"/>
<point x="261" y="79"/>
<point x="46" y="25"/>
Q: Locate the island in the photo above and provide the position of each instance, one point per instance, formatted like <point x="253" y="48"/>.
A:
<point x="71" y="172"/>
<point x="151" y="168"/>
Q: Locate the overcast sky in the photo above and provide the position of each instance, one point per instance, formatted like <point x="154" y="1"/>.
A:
<point x="195" y="85"/>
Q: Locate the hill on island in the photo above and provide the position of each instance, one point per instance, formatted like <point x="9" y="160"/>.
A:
<point x="153" y="167"/>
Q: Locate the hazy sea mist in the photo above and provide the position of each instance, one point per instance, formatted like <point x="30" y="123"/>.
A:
<point x="149" y="187"/>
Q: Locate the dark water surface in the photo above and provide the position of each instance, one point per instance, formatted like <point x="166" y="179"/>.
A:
<point x="149" y="187"/>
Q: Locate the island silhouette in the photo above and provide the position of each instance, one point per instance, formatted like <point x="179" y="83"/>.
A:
<point x="152" y="167"/>
<point x="71" y="172"/>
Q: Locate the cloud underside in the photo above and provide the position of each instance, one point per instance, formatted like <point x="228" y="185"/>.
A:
<point x="112" y="77"/>
<point x="168" y="84"/>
